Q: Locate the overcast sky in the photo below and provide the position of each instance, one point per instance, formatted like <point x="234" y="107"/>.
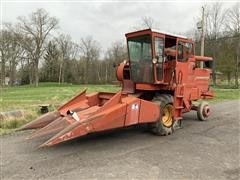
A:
<point x="109" y="21"/>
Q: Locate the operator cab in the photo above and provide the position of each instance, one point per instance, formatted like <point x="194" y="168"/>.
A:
<point x="153" y="55"/>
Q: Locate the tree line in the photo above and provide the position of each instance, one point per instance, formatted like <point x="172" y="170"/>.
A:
<point x="31" y="51"/>
<point x="222" y="40"/>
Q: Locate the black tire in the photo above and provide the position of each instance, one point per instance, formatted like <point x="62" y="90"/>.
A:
<point x="203" y="111"/>
<point x="158" y="127"/>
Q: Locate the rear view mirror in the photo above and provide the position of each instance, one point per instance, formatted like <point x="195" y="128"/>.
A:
<point x="155" y="60"/>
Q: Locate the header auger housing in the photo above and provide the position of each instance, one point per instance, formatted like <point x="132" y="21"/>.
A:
<point x="160" y="80"/>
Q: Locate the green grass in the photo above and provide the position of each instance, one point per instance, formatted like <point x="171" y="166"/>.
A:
<point x="28" y="98"/>
<point x="225" y="94"/>
<point x="25" y="97"/>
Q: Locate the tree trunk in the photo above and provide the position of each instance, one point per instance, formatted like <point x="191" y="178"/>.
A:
<point x="99" y="77"/>
<point x="237" y="63"/>
<point x="236" y="72"/>
<point x="12" y="72"/>
<point x="214" y="64"/>
<point x="106" y="74"/>
<point x="36" y="75"/>
<point x="229" y="77"/>
<point x="86" y="72"/>
<point x="62" y="81"/>
<point x="60" y="73"/>
<point x="30" y="71"/>
<point x="3" y="72"/>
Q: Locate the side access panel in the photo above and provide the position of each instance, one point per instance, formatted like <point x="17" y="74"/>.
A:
<point x="149" y="112"/>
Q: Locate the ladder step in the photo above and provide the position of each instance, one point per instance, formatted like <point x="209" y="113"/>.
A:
<point x="179" y="107"/>
<point x="177" y="118"/>
<point x="179" y="96"/>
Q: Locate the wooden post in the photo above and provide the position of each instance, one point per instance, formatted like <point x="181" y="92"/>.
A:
<point x="202" y="36"/>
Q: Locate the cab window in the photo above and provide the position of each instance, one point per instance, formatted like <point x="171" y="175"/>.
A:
<point x="159" y="45"/>
<point x="159" y="49"/>
<point x="185" y="50"/>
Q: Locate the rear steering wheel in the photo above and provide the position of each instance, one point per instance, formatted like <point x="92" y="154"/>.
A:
<point x="203" y="111"/>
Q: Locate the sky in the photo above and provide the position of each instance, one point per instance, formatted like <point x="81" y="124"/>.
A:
<point x="108" y="21"/>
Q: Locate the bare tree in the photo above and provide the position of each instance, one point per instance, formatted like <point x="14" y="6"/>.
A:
<point x="5" y="46"/>
<point x="114" y="55"/>
<point x="36" y="29"/>
<point x="146" y="22"/>
<point x="233" y="27"/>
<point x="232" y="22"/>
<point x="10" y="52"/>
<point x="68" y="50"/>
<point x="214" y="20"/>
<point x="90" y="51"/>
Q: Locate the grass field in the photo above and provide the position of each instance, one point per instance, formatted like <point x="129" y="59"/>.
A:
<point x="28" y="98"/>
<point x="225" y="94"/>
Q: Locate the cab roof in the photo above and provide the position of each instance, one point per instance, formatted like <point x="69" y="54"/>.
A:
<point x="154" y="31"/>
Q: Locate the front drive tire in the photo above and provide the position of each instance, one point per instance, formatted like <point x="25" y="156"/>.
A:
<point x="164" y="126"/>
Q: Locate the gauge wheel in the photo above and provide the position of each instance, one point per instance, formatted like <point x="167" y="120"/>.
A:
<point x="164" y="126"/>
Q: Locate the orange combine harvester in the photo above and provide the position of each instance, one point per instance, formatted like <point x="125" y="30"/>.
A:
<point x="160" y="80"/>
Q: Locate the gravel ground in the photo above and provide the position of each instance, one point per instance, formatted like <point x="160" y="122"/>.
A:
<point x="201" y="150"/>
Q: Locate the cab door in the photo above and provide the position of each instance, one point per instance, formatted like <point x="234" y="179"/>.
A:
<point x="158" y="57"/>
<point x="140" y="55"/>
<point x="185" y="51"/>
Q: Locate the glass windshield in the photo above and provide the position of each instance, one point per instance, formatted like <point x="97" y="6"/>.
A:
<point x="140" y="54"/>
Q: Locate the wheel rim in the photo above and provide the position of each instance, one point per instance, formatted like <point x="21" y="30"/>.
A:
<point x="167" y="117"/>
<point x="206" y="111"/>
